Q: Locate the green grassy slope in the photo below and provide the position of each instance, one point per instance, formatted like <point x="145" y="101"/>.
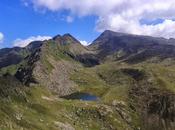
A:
<point x="37" y="108"/>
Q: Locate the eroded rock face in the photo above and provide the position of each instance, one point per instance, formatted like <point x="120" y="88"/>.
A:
<point x="24" y="73"/>
<point x="58" y="79"/>
<point x="44" y="70"/>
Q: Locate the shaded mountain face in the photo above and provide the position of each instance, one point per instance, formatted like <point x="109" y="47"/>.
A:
<point x="10" y="56"/>
<point x="77" y="51"/>
<point x="132" y="48"/>
<point x="13" y="56"/>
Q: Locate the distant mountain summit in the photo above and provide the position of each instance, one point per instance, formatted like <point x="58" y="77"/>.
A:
<point x="132" y="48"/>
<point x="53" y="61"/>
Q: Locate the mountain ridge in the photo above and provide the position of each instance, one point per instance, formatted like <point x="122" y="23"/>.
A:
<point x="131" y="76"/>
<point x="120" y="46"/>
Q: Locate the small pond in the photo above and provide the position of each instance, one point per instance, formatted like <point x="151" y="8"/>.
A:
<point x="81" y="96"/>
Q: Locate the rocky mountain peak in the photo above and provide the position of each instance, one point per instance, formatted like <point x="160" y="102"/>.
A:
<point x="69" y="37"/>
<point x="56" y="37"/>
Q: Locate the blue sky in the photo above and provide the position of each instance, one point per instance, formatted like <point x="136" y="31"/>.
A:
<point x="19" y="21"/>
<point x="22" y="21"/>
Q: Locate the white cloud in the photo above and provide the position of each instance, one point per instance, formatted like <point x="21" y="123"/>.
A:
<point x="1" y="37"/>
<point x="24" y="42"/>
<point x="120" y="15"/>
<point x="69" y="19"/>
<point x="85" y="43"/>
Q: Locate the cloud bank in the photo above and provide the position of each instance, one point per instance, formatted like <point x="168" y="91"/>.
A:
<point x="1" y="37"/>
<point x="24" y="42"/>
<point x="120" y="15"/>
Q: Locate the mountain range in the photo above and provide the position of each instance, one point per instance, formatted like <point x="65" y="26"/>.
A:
<point x="130" y="76"/>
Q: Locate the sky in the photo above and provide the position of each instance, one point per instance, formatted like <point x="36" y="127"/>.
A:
<point x="23" y="21"/>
